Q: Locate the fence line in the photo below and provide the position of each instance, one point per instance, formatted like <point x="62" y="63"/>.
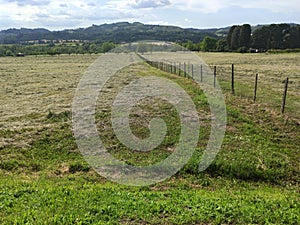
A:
<point x="187" y="70"/>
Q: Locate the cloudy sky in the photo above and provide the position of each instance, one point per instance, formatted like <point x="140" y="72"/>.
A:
<point x="61" y="14"/>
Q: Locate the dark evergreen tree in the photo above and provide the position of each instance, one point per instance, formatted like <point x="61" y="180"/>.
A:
<point x="229" y="36"/>
<point x="235" y="38"/>
<point x="277" y="36"/>
<point x="294" y="37"/>
<point x="245" y="36"/>
<point x="260" y="38"/>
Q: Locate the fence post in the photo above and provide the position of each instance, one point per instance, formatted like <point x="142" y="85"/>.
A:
<point x="284" y="95"/>
<point x="179" y="71"/>
<point x="174" y="68"/>
<point x="192" y="71"/>
<point x="255" y="87"/>
<point x="232" y="79"/>
<point x="184" y="67"/>
<point x="215" y="75"/>
<point x="201" y="73"/>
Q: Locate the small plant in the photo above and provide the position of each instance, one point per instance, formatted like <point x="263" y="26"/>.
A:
<point x="59" y="117"/>
<point x="9" y="165"/>
<point x="78" y="167"/>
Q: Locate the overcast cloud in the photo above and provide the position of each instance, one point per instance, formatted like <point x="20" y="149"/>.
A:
<point x="60" y="14"/>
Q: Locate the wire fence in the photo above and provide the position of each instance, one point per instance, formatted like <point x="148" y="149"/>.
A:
<point x="238" y="84"/>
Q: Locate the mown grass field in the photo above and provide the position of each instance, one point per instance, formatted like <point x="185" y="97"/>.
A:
<point x="45" y="180"/>
<point x="272" y="70"/>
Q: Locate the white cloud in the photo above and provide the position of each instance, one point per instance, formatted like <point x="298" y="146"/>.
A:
<point x="30" y="2"/>
<point x="187" y="20"/>
<point x="214" y="6"/>
<point x="143" y="4"/>
<point x="272" y="5"/>
<point x="58" y="14"/>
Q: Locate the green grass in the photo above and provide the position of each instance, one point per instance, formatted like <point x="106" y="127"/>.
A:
<point x="45" y="180"/>
<point x="75" y="199"/>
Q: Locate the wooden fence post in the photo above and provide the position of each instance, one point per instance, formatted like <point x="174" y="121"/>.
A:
<point x="179" y="71"/>
<point x="174" y="68"/>
<point x="284" y="95"/>
<point x="232" y="79"/>
<point x="255" y="87"/>
<point x="201" y="73"/>
<point x="184" y="67"/>
<point x="192" y="71"/>
<point x="215" y="75"/>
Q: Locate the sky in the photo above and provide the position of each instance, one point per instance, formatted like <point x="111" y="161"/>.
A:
<point x="66" y="14"/>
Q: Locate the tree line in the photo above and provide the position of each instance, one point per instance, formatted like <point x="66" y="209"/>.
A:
<point x="56" y="49"/>
<point x="240" y="38"/>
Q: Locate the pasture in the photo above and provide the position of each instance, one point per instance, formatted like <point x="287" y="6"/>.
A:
<point x="272" y="70"/>
<point x="45" y="180"/>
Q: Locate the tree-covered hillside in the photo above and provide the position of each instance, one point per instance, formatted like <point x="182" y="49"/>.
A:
<point x="102" y="38"/>
<point x="117" y="33"/>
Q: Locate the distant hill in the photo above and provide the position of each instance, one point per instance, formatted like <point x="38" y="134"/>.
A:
<point x="116" y="32"/>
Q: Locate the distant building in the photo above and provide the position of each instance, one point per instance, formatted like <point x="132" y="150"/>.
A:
<point x="20" y="54"/>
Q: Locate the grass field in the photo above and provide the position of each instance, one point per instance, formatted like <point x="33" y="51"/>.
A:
<point x="45" y="180"/>
<point x="272" y="69"/>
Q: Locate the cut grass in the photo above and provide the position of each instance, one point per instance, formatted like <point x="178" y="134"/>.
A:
<point x="45" y="180"/>
<point x="272" y="70"/>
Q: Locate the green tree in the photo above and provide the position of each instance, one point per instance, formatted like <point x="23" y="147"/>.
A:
<point x="107" y="46"/>
<point x="9" y="52"/>
<point x="209" y="44"/>
<point x="222" y="45"/>
<point x="190" y="45"/>
<point x="260" y="38"/>
<point x="235" y="38"/>
<point x="245" y="36"/>
<point x="229" y="36"/>
<point x="293" y="39"/>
